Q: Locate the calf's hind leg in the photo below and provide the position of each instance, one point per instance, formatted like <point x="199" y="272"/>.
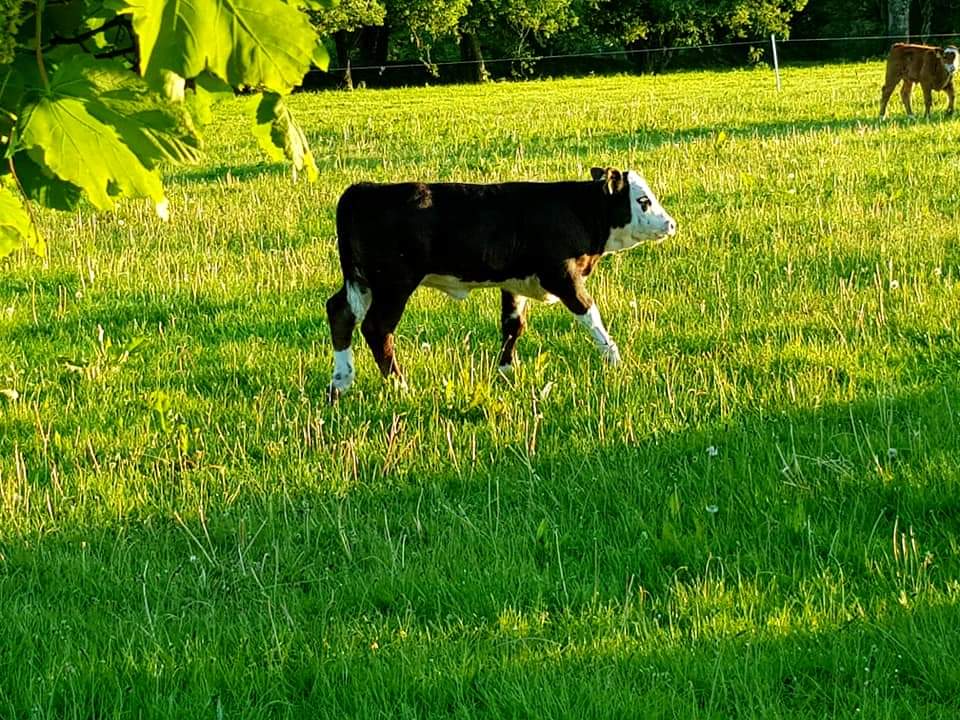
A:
<point x="378" y="327"/>
<point x="344" y="309"/>
<point x="890" y="83"/>
<point x="885" y="94"/>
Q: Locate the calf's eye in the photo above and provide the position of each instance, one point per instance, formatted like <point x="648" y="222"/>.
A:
<point x="644" y="202"/>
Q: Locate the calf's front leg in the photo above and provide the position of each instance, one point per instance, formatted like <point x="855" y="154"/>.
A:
<point x="512" y="324"/>
<point x="591" y="320"/>
<point x="905" y="91"/>
<point x="378" y="326"/>
<point x="573" y="294"/>
<point x="885" y="94"/>
<point x="948" y="89"/>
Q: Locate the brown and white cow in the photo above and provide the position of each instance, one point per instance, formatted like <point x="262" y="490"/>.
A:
<point x="536" y="240"/>
<point x="930" y="66"/>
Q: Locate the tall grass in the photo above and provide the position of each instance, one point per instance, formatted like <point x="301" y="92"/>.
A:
<point x="758" y="515"/>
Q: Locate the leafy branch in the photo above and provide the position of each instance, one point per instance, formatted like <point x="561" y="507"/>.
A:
<point x="39" y="52"/>
<point x="116" y="21"/>
<point x="115" y="52"/>
<point x="78" y="125"/>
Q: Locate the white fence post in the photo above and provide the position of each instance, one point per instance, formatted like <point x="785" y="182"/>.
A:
<point x="776" y="65"/>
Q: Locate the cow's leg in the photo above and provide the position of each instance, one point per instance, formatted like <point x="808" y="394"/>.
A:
<point x="344" y="309"/>
<point x="513" y="322"/>
<point x="592" y="321"/>
<point x="378" y="327"/>
<point x="948" y="89"/>
<point x="573" y="294"/>
<point x="890" y="82"/>
<point x="886" y="91"/>
<point x="905" y="95"/>
<point x="927" y="99"/>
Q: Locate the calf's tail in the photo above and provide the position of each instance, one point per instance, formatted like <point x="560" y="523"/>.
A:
<point x="345" y="222"/>
<point x="355" y="291"/>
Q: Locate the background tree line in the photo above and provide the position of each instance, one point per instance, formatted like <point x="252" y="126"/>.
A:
<point x="390" y="36"/>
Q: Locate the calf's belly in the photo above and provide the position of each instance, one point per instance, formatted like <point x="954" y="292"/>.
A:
<point x="458" y="289"/>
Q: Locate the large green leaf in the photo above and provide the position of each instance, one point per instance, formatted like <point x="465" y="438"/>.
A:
<point x="42" y="186"/>
<point x="206" y="91"/>
<point x="155" y="130"/>
<point x="15" y="78"/>
<point x="257" y="43"/>
<point x="63" y="132"/>
<point x="281" y="136"/>
<point x="16" y="229"/>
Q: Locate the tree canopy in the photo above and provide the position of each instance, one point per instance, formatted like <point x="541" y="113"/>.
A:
<point x="478" y="29"/>
<point x="382" y="32"/>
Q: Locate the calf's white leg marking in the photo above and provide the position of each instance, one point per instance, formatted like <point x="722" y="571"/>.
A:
<point x="591" y="320"/>
<point x="343" y="372"/>
<point x="359" y="300"/>
<point x="521" y="303"/>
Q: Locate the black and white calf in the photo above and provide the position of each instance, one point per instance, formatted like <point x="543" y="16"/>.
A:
<point x="532" y="240"/>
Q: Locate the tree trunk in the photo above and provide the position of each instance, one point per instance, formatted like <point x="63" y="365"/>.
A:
<point x="343" y="44"/>
<point x="898" y="19"/>
<point x="374" y="42"/>
<point x="652" y="57"/>
<point x="471" y="52"/>
<point x="926" y="19"/>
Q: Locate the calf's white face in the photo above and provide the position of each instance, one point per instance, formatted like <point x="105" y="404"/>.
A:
<point x="950" y="59"/>
<point x="649" y="222"/>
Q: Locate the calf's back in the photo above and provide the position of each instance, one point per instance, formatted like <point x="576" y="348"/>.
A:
<point x="473" y="232"/>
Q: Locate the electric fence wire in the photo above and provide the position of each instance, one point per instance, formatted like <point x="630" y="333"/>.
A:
<point x="633" y="51"/>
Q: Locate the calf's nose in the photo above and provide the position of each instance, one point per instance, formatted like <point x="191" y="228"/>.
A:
<point x="671" y="226"/>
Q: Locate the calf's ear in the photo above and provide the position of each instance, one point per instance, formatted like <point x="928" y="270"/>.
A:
<point x="613" y="181"/>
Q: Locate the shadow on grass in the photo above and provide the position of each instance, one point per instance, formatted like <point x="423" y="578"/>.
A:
<point x="653" y="137"/>
<point x="227" y="173"/>
<point x="329" y="159"/>
<point x="211" y="329"/>
<point x="327" y="154"/>
<point x="128" y="317"/>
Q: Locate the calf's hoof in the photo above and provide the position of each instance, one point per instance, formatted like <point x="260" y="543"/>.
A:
<point x="612" y="356"/>
<point x="397" y="382"/>
<point x="507" y="372"/>
<point x="333" y="394"/>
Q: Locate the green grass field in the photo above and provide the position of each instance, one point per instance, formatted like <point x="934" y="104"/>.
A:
<point x="756" y="516"/>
